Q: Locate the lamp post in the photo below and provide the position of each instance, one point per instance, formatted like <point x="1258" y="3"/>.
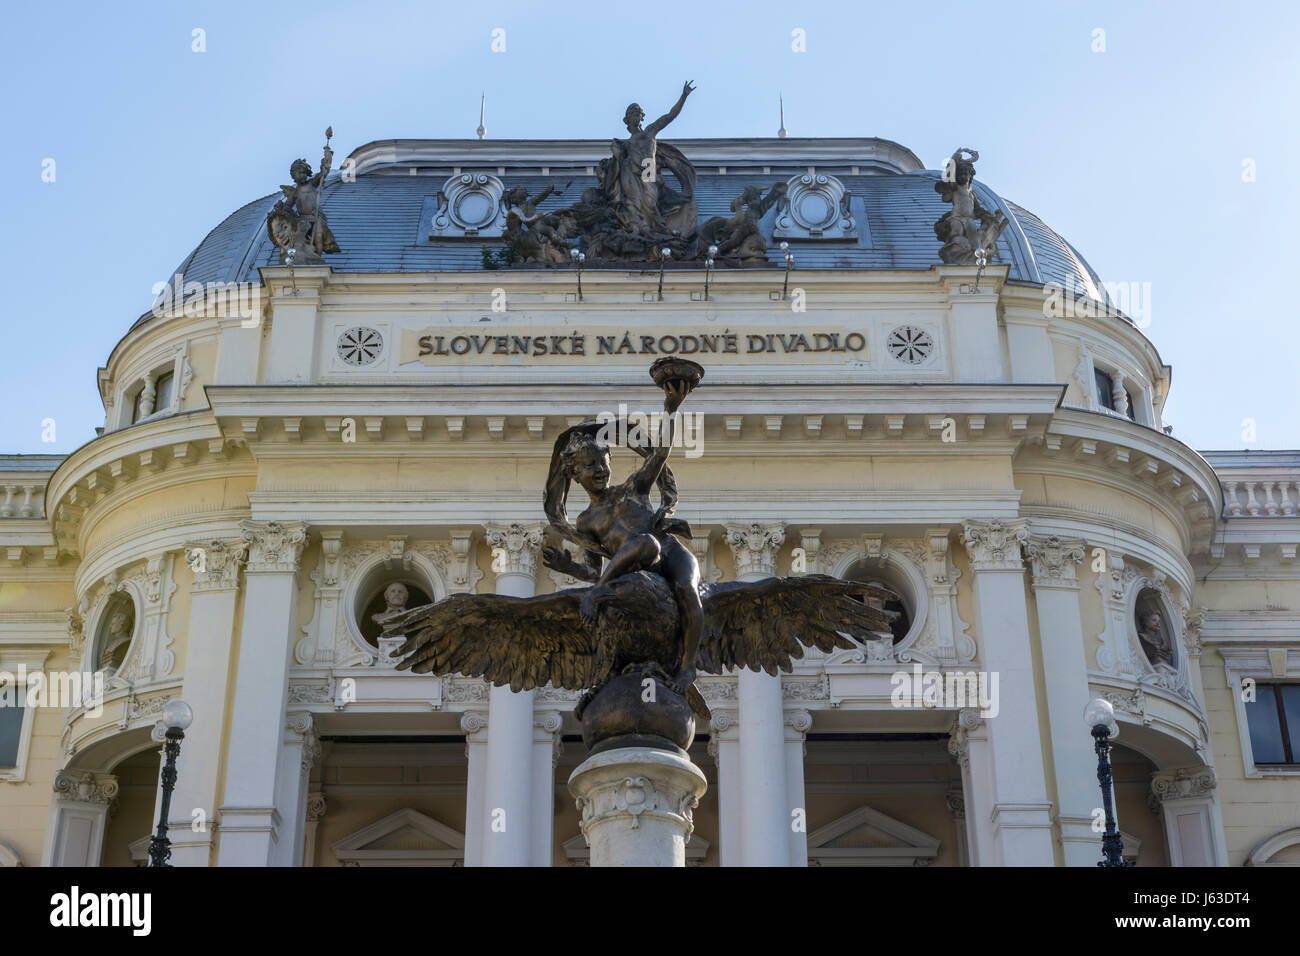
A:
<point x="664" y="255"/>
<point x="708" y="270"/>
<point x="1100" y="717"/>
<point x="789" y="264"/>
<point x="176" y="717"/>
<point x="578" y="258"/>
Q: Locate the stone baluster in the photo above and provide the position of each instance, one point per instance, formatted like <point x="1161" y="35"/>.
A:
<point x="147" y="396"/>
<point x="26" y="510"/>
<point x="1270" y="506"/>
<point x="1288" y="506"/>
<point x="7" y="509"/>
<point x="1252" y="505"/>
<point x="1233" y="505"/>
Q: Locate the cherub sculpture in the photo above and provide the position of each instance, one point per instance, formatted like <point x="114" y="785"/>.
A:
<point x="297" y="221"/>
<point x="968" y="228"/>
<point x="647" y="618"/>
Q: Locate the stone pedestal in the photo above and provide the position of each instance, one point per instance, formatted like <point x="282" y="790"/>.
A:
<point x="636" y="806"/>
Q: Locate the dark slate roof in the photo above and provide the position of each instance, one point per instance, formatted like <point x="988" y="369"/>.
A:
<point x="382" y="218"/>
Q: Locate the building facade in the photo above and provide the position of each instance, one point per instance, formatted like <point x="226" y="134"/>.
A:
<point x="284" y="442"/>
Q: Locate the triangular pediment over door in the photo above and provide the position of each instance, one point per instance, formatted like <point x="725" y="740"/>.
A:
<point x="867" y="837"/>
<point x="405" y="838"/>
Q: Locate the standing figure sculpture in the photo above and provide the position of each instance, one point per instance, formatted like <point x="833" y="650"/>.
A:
<point x="635" y="640"/>
<point x="297" y="221"/>
<point x="968" y="227"/>
<point x="739" y="239"/>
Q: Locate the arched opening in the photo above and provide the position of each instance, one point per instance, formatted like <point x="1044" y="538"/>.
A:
<point x="889" y="577"/>
<point x="386" y="591"/>
<point x="116" y="628"/>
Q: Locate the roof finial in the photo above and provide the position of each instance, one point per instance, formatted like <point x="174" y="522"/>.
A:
<point x="781" y="133"/>
<point x="482" y="106"/>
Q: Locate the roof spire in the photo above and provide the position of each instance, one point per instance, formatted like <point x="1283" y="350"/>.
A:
<point x="781" y="133"/>
<point x="482" y="106"/>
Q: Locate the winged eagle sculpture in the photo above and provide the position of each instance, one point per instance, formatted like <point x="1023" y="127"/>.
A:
<point x="646" y="617"/>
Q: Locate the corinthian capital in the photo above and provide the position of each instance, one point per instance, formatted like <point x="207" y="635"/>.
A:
<point x="215" y="564"/>
<point x="515" y="549"/>
<point x="1053" y="560"/>
<point x="754" y="547"/>
<point x="995" y="545"/>
<point x="274" y="545"/>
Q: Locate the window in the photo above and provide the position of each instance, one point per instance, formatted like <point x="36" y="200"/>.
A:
<point x="162" y="398"/>
<point x="11" y="731"/>
<point x="1106" y="394"/>
<point x="163" y="401"/>
<point x="1274" y="721"/>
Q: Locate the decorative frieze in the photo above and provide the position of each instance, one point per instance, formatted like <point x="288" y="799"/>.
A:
<point x="754" y="548"/>
<point x="995" y="545"/>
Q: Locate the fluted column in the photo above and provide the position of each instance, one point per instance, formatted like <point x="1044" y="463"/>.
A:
<point x="764" y="814"/>
<point x="1065" y="672"/>
<point x="1021" y="813"/>
<point x="250" y="821"/>
<point x="213" y="602"/>
<point x="508" y="804"/>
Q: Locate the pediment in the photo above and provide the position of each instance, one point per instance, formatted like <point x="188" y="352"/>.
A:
<point x="405" y="838"/>
<point x="867" y="837"/>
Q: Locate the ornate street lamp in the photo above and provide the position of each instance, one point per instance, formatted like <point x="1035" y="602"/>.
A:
<point x="578" y="258"/>
<point x="664" y="255"/>
<point x="1100" y="717"/>
<point x="789" y="264"/>
<point x="176" y="717"/>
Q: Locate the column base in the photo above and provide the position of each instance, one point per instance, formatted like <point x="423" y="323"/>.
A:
<point x="636" y="806"/>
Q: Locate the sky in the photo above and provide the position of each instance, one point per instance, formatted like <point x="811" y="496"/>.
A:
<point x="1153" y="136"/>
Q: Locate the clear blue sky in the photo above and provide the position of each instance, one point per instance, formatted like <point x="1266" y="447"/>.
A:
<point x="1135" y="154"/>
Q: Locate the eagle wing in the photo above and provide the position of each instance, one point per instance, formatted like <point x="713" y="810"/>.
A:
<point x="764" y="625"/>
<point x="520" y="642"/>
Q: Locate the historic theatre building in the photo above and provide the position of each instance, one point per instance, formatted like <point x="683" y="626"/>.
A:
<point x="287" y="436"/>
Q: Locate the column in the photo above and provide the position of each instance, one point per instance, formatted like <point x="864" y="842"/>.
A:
<point x="764" y="813"/>
<point x="1021" y="813"/>
<point x="956" y="800"/>
<point x="1065" y="674"/>
<point x="507" y="808"/>
<point x="213" y="598"/>
<point x="316" y="808"/>
<point x="546" y="757"/>
<point x="724" y="748"/>
<point x="1190" y="810"/>
<point x="250" y="822"/>
<point x="301" y="748"/>
<point x="797" y="724"/>
<point x="474" y="725"/>
<point x="968" y="742"/>
<point x="79" y="817"/>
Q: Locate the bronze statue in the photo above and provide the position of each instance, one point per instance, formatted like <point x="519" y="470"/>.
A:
<point x="968" y="228"/>
<point x="635" y="640"/>
<point x="631" y="214"/>
<point x="297" y="221"/>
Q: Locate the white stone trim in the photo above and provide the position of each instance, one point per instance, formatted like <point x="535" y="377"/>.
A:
<point x="10" y="660"/>
<point x="1259" y="662"/>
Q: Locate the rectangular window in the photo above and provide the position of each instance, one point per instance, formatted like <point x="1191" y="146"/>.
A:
<point x="11" y="729"/>
<point x="1105" y="389"/>
<point x="1274" y="721"/>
